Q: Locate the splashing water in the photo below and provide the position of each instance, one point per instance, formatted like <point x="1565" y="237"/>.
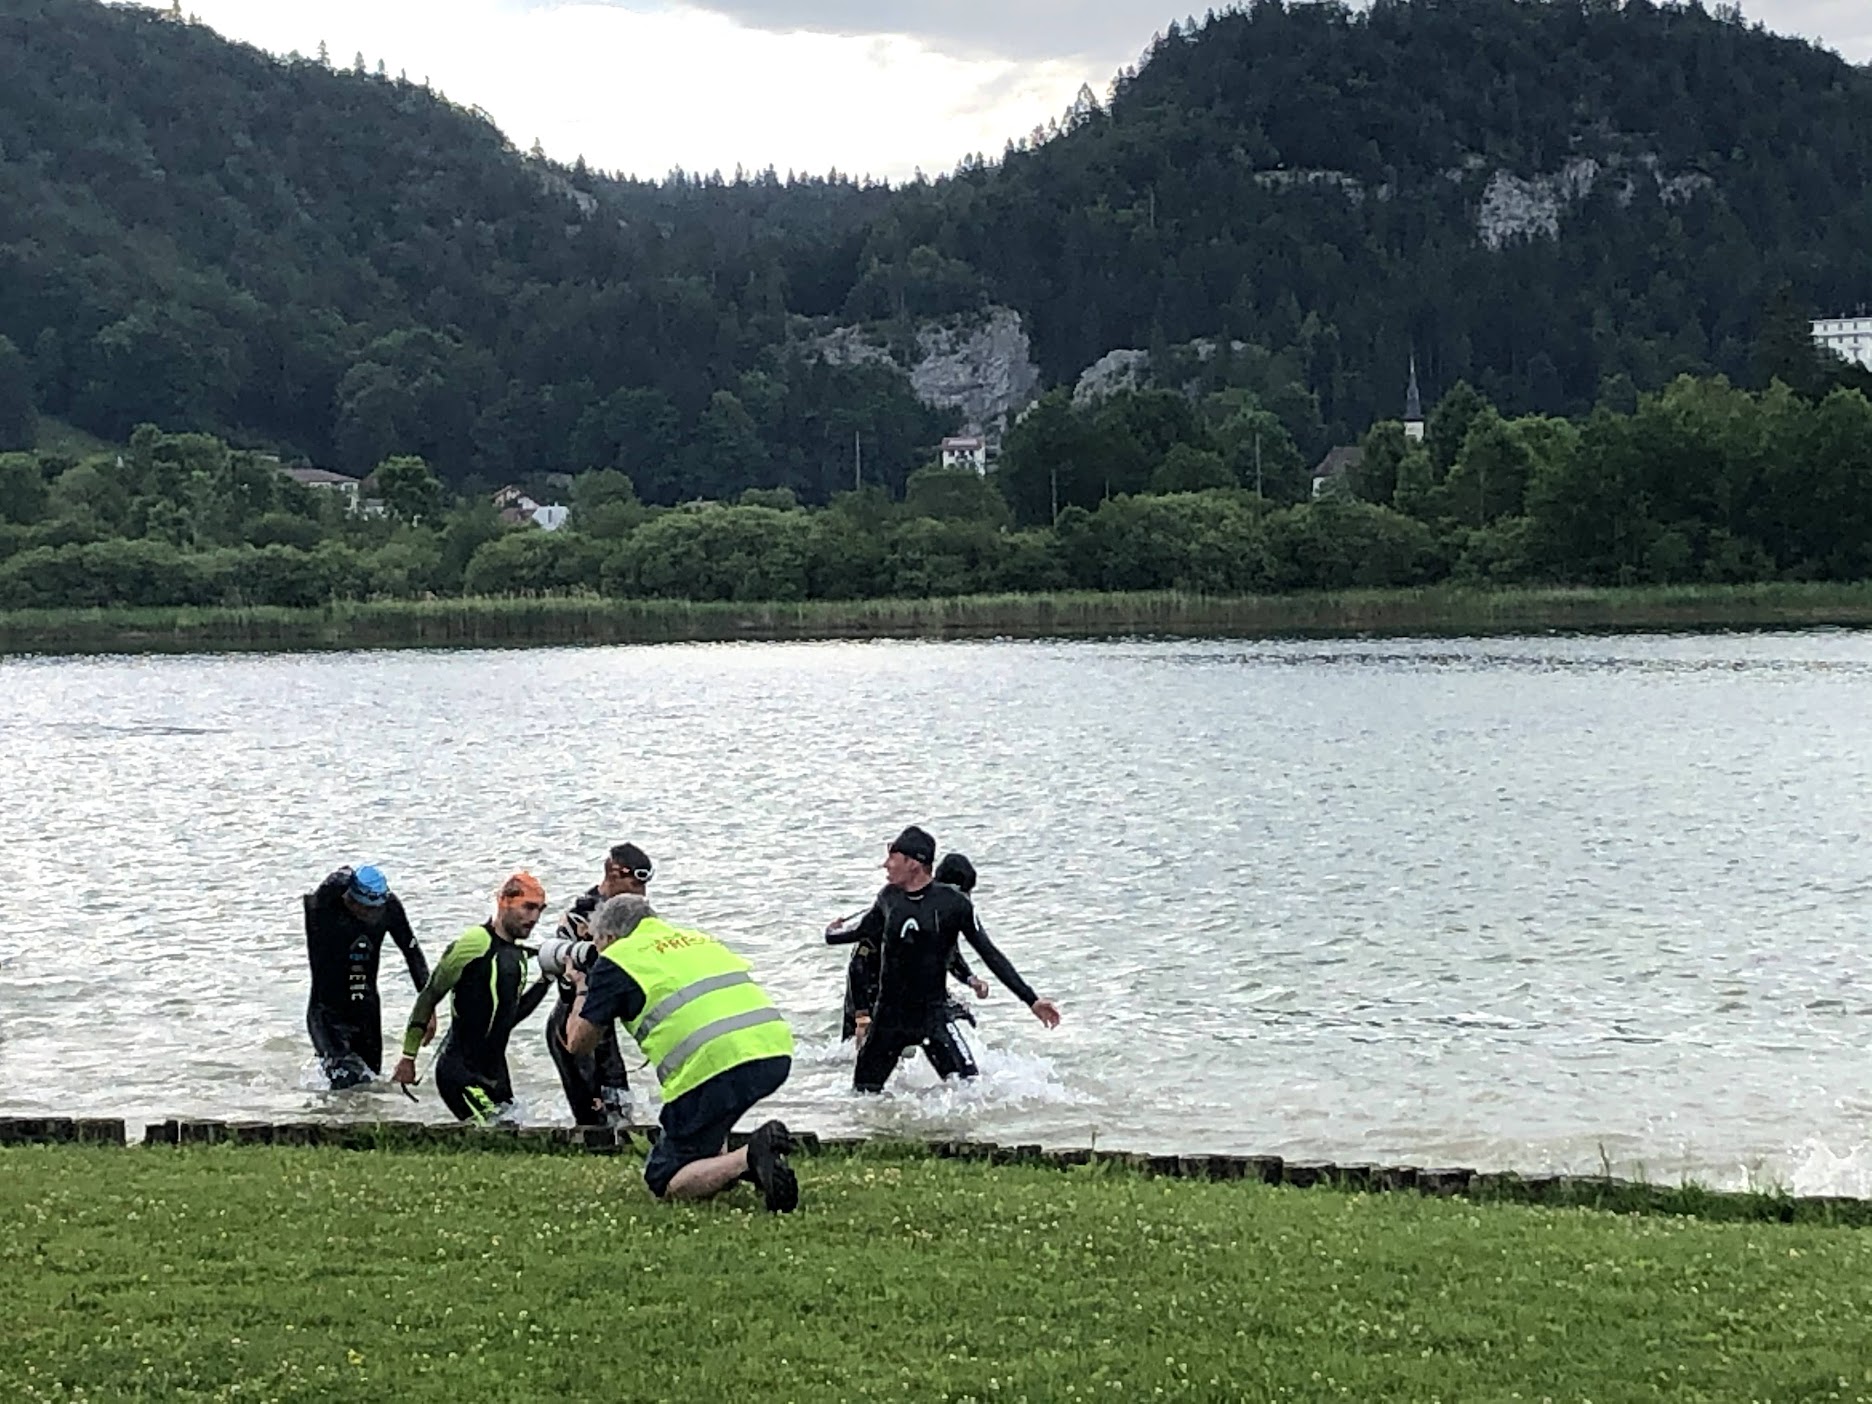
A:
<point x="1815" y="1168"/>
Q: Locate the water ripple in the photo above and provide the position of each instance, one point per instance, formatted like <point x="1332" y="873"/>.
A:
<point x="1504" y="902"/>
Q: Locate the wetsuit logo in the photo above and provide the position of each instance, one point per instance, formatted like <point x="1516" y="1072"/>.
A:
<point x="360" y="981"/>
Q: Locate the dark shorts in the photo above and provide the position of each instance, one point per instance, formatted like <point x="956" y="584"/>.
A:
<point x="940" y="1039"/>
<point x="696" y="1124"/>
<point x="348" y="1040"/>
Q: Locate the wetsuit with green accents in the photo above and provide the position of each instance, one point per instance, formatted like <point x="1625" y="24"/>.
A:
<point x="485" y="979"/>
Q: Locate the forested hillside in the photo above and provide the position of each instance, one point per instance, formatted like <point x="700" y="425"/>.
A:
<point x="1550" y="201"/>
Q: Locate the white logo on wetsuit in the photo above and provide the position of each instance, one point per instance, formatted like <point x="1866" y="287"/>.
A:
<point x="908" y="929"/>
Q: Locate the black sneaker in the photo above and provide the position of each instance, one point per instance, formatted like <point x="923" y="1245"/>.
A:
<point x="767" y="1150"/>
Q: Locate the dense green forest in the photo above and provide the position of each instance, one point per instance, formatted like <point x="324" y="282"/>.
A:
<point x="1702" y="482"/>
<point x="1560" y="204"/>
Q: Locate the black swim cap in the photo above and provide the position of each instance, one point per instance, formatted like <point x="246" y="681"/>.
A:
<point x="916" y="845"/>
<point x="956" y="870"/>
<point x="632" y="860"/>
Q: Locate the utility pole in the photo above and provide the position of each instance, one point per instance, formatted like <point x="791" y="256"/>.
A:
<point x="857" y="460"/>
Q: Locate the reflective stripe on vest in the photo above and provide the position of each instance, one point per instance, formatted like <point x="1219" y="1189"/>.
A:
<point x="688" y="994"/>
<point x="703" y="1012"/>
<point x="708" y="1033"/>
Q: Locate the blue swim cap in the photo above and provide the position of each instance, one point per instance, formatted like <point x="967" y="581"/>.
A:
<point x="368" y="888"/>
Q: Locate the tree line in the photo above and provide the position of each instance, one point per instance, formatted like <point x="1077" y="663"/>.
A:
<point x="1700" y="482"/>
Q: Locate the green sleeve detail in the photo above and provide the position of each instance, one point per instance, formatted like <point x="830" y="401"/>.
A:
<point x="463" y="951"/>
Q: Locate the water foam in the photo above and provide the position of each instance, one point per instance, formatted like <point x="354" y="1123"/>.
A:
<point x="1814" y="1167"/>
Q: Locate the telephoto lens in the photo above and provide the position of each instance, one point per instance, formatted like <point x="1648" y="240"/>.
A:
<point x="557" y="956"/>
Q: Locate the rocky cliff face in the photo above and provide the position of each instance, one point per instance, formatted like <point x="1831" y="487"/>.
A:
<point x="1515" y="208"/>
<point x="1510" y="207"/>
<point x="983" y="367"/>
<point x="1123" y="369"/>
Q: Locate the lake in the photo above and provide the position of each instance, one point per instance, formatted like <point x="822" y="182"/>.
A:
<point x="1531" y="902"/>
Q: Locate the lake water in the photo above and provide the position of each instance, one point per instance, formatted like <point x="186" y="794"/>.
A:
<point x="1518" y="902"/>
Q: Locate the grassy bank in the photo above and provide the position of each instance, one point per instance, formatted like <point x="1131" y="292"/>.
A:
<point x="324" y="1274"/>
<point x="521" y="623"/>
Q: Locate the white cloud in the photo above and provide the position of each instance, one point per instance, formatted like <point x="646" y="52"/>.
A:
<point x="1105" y="30"/>
<point x="1115" y="30"/>
<point x="643" y="91"/>
<point x="1844" y="26"/>
<point x="878" y="87"/>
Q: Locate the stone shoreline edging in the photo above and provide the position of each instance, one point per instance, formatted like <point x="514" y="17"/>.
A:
<point x="1606" y="1192"/>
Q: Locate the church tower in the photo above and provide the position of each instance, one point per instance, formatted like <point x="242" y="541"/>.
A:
<point x="1413" y="406"/>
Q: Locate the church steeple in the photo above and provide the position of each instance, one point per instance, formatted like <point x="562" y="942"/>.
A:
<point x="1413" y="405"/>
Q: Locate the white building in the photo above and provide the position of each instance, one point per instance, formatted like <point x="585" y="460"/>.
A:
<point x="351" y="489"/>
<point x="1850" y="337"/>
<point x="516" y="508"/>
<point x="967" y="451"/>
<point x="323" y="480"/>
<point x="1413" y="406"/>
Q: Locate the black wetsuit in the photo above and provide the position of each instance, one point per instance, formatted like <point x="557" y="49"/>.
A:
<point x="916" y="935"/>
<point x="344" y="1015"/>
<point x="594" y="1080"/>
<point x="863" y="969"/>
<point x="487" y="979"/>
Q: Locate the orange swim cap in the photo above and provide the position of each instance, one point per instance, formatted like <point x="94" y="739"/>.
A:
<point x="521" y="887"/>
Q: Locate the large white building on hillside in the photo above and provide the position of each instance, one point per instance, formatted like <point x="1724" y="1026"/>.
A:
<point x="1850" y="337"/>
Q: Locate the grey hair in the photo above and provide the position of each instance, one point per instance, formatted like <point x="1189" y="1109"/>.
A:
<point x="617" y="917"/>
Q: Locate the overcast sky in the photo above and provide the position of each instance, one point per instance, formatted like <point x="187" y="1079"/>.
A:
<point x="879" y="87"/>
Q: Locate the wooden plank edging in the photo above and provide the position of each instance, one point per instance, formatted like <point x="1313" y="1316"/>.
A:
<point x="1556" y="1190"/>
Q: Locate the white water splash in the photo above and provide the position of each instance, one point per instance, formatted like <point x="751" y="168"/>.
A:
<point x="1816" y="1168"/>
<point x="916" y="1103"/>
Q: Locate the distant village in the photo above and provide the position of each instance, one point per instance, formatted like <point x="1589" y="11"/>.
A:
<point x="516" y="507"/>
<point x="1847" y="337"/>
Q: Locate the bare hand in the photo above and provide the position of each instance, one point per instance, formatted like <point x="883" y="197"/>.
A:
<point x="1047" y="1012"/>
<point x="404" y="1072"/>
<point x="980" y="986"/>
<point x="575" y="978"/>
<point x="430" y="1032"/>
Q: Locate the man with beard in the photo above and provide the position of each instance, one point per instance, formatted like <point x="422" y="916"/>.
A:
<point x="482" y="973"/>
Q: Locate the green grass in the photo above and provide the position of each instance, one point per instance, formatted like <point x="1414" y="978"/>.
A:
<point x="512" y="623"/>
<point x="322" y="1274"/>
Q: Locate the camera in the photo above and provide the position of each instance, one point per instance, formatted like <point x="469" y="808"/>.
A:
<point x="558" y="955"/>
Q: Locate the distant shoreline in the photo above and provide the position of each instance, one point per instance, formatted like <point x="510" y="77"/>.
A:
<point x="569" y="622"/>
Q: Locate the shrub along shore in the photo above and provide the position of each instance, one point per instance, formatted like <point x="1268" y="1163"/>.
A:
<point x="582" y="620"/>
<point x="312" y="1272"/>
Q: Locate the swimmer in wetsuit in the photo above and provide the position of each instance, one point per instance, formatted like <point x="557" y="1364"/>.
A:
<point x="861" y="972"/>
<point x="596" y="1083"/>
<point x="916" y="923"/>
<point x="483" y="973"/>
<point x="347" y="917"/>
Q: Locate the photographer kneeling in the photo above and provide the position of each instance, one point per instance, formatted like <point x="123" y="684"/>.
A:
<point x="718" y="1044"/>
